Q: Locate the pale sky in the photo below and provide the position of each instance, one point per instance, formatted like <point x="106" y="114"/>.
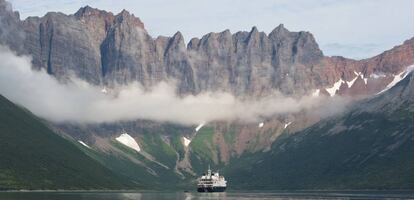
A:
<point x="351" y="28"/>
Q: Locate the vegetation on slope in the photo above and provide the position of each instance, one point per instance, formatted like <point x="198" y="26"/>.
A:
<point x="355" y="151"/>
<point x="34" y="157"/>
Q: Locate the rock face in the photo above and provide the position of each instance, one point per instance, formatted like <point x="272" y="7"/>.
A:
<point x="254" y="63"/>
<point x="11" y="33"/>
<point x="107" y="49"/>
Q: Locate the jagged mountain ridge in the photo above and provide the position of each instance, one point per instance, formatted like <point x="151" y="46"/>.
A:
<point x="107" y="49"/>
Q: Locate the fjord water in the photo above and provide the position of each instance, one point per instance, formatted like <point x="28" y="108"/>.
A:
<point x="193" y="195"/>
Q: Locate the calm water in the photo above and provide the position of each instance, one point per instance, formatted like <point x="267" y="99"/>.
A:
<point x="185" y="196"/>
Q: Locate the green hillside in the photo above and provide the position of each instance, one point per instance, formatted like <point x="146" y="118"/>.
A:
<point x="364" y="151"/>
<point x="369" y="147"/>
<point x="34" y="157"/>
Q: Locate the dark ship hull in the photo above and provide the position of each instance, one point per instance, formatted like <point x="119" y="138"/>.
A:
<point x="211" y="189"/>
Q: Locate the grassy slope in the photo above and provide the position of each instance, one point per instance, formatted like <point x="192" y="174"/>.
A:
<point x="122" y="165"/>
<point x="373" y="152"/>
<point x="202" y="149"/>
<point x="34" y="157"/>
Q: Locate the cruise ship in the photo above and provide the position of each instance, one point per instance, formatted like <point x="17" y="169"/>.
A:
<point x="211" y="182"/>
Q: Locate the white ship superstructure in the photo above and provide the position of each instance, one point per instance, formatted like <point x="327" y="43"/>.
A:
<point x="211" y="182"/>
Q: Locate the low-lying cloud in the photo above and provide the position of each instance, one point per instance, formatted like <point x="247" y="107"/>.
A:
<point x="78" y="101"/>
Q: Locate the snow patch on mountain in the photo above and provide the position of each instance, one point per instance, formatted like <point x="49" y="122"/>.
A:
<point x="376" y="76"/>
<point x="287" y="124"/>
<point x="128" y="141"/>
<point x="365" y="79"/>
<point x="84" y="144"/>
<point x="398" y="78"/>
<point x="186" y="141"/>
<point x="261" y="125"/>
<point x="199" y="127"/>
<point x="360" y="75"/>
<point x="316" y="93"/>
<point x="350" y="83"/>
<point x="104" y="90"/>
<point x="356" y="73"/>
<point x="332" y="90"/>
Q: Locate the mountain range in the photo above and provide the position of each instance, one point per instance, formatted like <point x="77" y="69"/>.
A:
<point x="365" y="147"/>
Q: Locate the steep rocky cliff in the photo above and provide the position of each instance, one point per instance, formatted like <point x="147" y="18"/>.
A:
<point x="107" y="49"/>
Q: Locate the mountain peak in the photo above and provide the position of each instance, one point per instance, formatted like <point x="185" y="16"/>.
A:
<point x="178" y="36"/>
<point x="178" y="40"/>
<point x="226" y="32"/>
<point x="126" y="16"/>
<point x="253" y="34"/>
<point x="89" y="11"/>
<point x="279" y="32"/>
<point x="279" y="29"/>
<point x="254" y="29"/>
<point x="124" y="13"/>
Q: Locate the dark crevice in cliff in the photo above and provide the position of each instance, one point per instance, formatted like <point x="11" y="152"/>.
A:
<point x="49" y="57"/>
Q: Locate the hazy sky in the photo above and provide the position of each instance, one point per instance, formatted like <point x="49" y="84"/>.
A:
<point x="352" y="28"/>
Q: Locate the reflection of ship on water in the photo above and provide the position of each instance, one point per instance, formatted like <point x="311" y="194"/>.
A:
<point x="211" y="182"/>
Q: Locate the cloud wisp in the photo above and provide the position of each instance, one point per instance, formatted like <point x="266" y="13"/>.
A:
<point x="78" y="101"/>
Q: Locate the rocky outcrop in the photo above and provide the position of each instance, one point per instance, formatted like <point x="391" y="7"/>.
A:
<point x="11" y="33"/>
